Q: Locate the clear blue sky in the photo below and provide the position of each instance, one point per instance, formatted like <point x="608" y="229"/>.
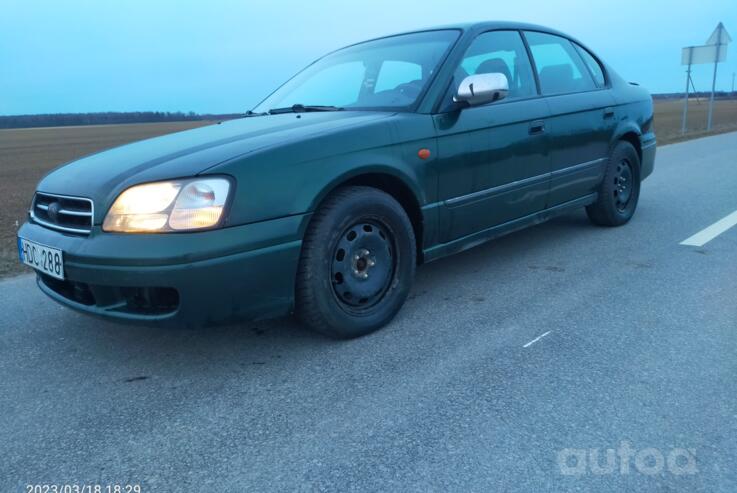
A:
<point x="225" y="56"/>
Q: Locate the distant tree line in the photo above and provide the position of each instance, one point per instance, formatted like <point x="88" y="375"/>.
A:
<point x="699" y="94"/>
<point x="108" y="117"/>
<point x="111" y="117"/>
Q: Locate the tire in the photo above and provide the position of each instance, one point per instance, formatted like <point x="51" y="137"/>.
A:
<point x="619" y="192"/>
<point x="357" y="264"/>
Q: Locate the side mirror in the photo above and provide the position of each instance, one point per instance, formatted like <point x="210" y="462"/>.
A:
<point x="482" y="88"/>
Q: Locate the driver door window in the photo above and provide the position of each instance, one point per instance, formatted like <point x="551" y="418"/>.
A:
<point x="498" y="52"/>
<point x="501" y="52"/>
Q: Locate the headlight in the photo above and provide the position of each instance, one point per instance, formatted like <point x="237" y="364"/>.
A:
<point x="177" y="205"/>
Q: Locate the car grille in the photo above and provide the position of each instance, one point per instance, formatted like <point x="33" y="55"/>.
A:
<point x="63" y="213"/>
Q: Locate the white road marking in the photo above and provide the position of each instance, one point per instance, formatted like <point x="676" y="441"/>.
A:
<point x="536" y="339"/>
<point x="707" y="234"/>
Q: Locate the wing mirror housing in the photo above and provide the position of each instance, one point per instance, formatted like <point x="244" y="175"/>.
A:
<point x="481" y="89"/>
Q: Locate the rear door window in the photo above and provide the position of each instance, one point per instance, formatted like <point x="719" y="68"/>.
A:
<point x="559" y="67"/>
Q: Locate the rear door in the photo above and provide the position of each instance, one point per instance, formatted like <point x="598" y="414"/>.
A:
<point x="493" y="162"/>
<point x="583" y="115"/>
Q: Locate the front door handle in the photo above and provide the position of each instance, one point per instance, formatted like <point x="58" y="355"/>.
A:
<point x="537" y="127"/>
<point x="608" y="112"/>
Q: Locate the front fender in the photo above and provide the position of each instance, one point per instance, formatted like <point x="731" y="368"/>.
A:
<point x="404" y="174"/>
<point x="295" y="177"/>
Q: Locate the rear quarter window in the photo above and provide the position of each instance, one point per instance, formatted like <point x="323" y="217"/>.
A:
<point x="593" y="64"/>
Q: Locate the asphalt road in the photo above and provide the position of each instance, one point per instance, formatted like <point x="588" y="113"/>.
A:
<point x="640" y="354"/>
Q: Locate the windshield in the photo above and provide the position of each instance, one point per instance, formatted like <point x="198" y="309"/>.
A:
<point x="385" y="73"/>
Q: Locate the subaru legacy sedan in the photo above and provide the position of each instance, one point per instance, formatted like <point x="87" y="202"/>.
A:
<point x="323" y="199"/>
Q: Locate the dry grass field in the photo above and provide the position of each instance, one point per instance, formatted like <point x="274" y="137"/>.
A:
<point x="27" y="154"/>
<point x="668" y="115"/>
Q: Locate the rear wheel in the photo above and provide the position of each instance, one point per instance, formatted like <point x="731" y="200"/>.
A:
<point x="357" y="265"/>
<point x="619" y="193"/>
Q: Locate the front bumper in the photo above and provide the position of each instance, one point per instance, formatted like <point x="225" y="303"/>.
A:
<point x="178" y="280"/>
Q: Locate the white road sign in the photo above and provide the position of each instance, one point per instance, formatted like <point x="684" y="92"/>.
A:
<point x="696" y="55"/>
<point x="720" y="36"/>
<point x="714" y="51"/>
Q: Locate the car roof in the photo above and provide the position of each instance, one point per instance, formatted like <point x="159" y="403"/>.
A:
<point x="489" y="25"/>
<point x="467" y="29"/>
<point x="470" y="29"/>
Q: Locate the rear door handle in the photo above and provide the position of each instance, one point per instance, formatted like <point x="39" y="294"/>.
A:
<point x="537" y="127"/>
<point x="608" y="112"/>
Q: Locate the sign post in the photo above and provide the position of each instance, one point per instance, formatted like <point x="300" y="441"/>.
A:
<point x="688" y="81"/>
<point x="719" y="38"/>
<point x="714" y="51"/>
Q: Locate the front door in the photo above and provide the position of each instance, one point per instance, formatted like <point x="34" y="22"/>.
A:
<point x="493" y="163"/>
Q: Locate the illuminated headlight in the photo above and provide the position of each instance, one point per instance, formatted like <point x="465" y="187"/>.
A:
<point x="178" y="205"/>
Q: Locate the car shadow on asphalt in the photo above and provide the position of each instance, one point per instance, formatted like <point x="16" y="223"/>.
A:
<point x="260" y="344"/>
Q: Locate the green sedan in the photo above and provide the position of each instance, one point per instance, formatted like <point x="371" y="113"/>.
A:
<point x="324" y="199"/>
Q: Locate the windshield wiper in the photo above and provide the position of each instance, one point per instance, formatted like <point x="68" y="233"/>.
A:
<point x="302" y="108"/>
<point x="250" y="114"/>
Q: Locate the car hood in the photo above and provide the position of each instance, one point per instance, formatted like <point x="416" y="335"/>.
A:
<point x="191" y="152"/>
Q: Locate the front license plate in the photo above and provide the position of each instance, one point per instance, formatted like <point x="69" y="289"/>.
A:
<point x="42" y="258"/>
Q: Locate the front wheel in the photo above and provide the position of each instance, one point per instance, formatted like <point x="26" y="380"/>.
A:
<point x="620" y="190"/>
<point x="357" y="265"/>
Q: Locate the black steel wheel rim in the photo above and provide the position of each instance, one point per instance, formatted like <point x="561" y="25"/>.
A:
<point x="623" y="185"/>
<point x="363" y="265"/>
